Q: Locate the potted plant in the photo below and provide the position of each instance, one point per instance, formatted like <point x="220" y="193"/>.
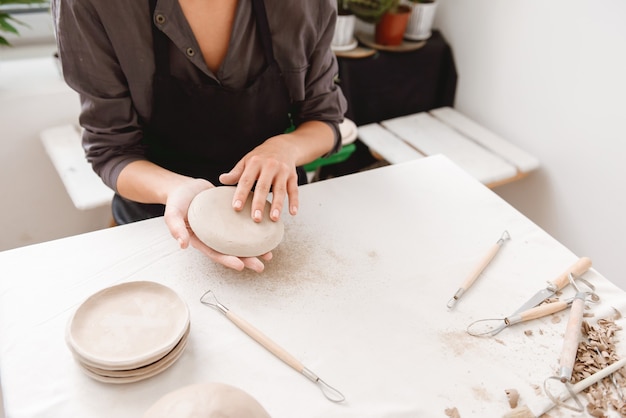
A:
<point x="419" y="26"/>
<point x="343" y="37"/>
<point x="370" y="11"/>
<point x="8" y="22"/>
<point x="391" y="27"/>
<point x="388" y="16"/>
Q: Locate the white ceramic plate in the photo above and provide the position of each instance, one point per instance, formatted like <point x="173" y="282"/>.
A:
<point x="135" y="371"/>
<point x="136" y="375"/>
<point x="128" y="325"/>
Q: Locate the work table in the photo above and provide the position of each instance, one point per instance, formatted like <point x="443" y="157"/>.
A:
<point x="357" y="291"/>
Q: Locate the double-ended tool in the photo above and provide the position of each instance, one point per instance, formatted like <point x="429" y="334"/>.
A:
<point x="577" y="269"/>
<point x="480" y="267"/>
<point x="487" y="328"/>
<point x="571" y="339"/>
<point x="329" y="392"/>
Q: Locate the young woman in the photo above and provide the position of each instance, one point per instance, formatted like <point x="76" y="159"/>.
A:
<point x="181" y="95"/>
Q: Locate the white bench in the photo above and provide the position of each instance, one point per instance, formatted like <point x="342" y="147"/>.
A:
<point x="85" y="188"/>
<point x="483" y="154"/>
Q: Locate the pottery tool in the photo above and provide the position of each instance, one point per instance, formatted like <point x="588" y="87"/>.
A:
<point x="548" y="404"/>
<point x="478" y="269"/>
<point x="329" y="392"/>
<point x="572" y="334"/>
<point x="485" y="327"/>
<point x="570" y="347"/>
<point x="577" y="269"/>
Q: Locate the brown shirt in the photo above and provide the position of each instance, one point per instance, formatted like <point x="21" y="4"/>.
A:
<point x="107" y="57"/>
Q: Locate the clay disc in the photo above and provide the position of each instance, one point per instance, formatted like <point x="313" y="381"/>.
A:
<point x="215" y="222"/>
<point x="207" y="400"/>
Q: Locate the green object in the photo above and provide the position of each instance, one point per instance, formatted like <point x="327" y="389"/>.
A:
<point x="371" y="11"/>
<point x="335" y="158"/>
<point x="8" y="23"/>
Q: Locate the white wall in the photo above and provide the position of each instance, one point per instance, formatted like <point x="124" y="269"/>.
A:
<point x="33" y="97"/>
<point x="551" y="77"/>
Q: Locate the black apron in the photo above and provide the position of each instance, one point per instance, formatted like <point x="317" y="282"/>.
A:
<point x="203" y="130"/>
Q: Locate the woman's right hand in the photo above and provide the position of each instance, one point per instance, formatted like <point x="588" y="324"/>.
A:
<point x="176" y="208"/>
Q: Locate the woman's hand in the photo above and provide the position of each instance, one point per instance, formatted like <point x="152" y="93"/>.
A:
<point x="272" y="166"/>
<point x="176" y="208"/>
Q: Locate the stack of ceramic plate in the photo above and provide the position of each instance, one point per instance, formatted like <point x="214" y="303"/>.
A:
<point x="129" y="332"/>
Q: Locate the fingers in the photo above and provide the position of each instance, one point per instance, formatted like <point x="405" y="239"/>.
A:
<point x="265" y="177"/>
<point x="230" y="261"/>
<point x="177" y="226"/>
<point x="294" y="199"/>
<point x="232" y="177"/>
<point x="177" y="206"/>
<point x="175" y="217"/>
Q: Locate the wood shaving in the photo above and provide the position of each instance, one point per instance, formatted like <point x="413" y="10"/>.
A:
<point x="595" y="352"/>
<point x="513" y="396"/>
<point x="528" y="332"/>
<point x="452" y="413"/>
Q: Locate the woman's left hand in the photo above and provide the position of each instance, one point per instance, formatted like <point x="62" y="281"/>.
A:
<point x="175" y="216"/>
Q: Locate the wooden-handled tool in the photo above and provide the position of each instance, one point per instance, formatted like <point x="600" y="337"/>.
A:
<point x="577" y="269"/>
<point x="329" y="392"/>
<point x="485" y="327"/>
<point x="572" y="334"/>
<point x="478" y="269"/>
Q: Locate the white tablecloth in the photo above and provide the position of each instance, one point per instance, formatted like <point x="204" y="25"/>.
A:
<point x="357" y="291"/>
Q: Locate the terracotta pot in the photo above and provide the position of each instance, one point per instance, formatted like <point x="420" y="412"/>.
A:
<point x="392" y="25"/>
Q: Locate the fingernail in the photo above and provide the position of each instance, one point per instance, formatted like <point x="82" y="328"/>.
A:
<point x="257" y="215"/>
<point x="238" y="204"/>
<point x="294" y="209"/>
<point x="180" y="242"/>
<point x="275" y="214"/>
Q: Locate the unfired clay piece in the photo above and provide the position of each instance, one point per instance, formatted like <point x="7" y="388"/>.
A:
<point x="215" y="222"/>
<point x="128" y="325"/>
<point x="207" y="400"/>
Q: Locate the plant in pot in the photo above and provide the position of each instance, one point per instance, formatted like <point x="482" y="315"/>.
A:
<point x="8" y="23"/>
<point x="343" y="37"/>
<point x="389" y="17"/>
<point x="420" y="23"/>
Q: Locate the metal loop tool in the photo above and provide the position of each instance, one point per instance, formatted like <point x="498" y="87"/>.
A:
<point x="329" y="392"/>
<point x="490" y="327"/>
<point x="569" y="350"/>
<point x="480" y="267"/>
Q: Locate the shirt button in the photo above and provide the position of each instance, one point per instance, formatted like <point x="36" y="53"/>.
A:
<point x="190" y="52"/>
<point x="160" y="19"/>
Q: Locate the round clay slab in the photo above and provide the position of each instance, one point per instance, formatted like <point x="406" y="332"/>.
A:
<point x="207" y="400"/>
<point x="128" y="325"/>
<point x="214" y="221"/>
